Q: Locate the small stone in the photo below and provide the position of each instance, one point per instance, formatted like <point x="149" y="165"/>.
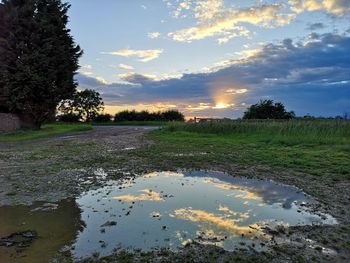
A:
<point x="187" y="242"/>
<point x="109" y="223"/>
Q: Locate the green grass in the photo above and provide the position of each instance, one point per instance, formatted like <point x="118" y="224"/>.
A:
<point x="133" y="123"/>
<point x="320" y="148"/>
<point x="290" y="131"/>
<point x="47" y="130"/>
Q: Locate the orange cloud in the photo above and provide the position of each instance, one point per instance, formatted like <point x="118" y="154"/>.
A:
<point x="148" y="195"/>
<point x="220" y="223"/>
<point x="143" y="55"/>
<point x="216" y="20"/>
<point x="334" y="7"/>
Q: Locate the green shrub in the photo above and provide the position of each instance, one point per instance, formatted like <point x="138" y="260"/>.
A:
<point x="69" y="117"/>
<point x="170" y="115"/>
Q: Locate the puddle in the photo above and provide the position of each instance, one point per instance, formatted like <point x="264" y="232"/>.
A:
<point x="160" y="210"/>
<point x="172" y="210"/>
<point x="36" y="233"/>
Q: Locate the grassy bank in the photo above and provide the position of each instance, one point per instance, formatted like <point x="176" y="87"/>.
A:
<point x="46" y="131"/>
<point x="320" y="148"/>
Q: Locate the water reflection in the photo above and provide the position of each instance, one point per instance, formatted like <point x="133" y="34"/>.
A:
<point x="223" y="224"/>
<point x="269" y="193"/>
<point x="164" y="209"/>
<point x="55" y="226"/>
<point x="170" y="210"/>
<point x="148" y="195"/>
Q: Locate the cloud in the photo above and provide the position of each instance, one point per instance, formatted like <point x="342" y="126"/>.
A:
<point x="124" y="66"/>
<point x="214" y="19"/>
<point x="182" y="6"/>
<point x="153" y="35"/>
<point x="86" y="73"/>
<point x="315" y="26"/>
<point x="236" y="91"/>
<point x="88" y="67"/>
<point x="147" y="195"/>
<point x="101" y="80"/>
<point x="309" y="77"/>
<point x="137" y="78"/>
<point x="142" y="55"/>
<point x="333" y="7"/>
<point x="222" y="224"/>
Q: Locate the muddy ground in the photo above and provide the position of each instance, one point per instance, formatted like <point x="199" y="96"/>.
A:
<point x="58" y="168"/>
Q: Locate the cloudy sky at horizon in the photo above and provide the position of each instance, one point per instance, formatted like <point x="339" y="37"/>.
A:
<point x="215" y="57"/>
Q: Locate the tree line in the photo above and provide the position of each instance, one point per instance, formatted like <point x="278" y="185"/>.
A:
<point x="127" y="115"/>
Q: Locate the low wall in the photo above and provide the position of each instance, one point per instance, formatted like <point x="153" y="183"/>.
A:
<point x="9" y="122"/>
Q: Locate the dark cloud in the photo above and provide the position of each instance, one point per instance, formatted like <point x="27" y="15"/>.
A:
<point x="137" y="78"/>
<point x="315" y="26"/>
<point x="311" y="77"/>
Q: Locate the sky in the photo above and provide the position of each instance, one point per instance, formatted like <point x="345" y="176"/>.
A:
<point x="214" y="58"/>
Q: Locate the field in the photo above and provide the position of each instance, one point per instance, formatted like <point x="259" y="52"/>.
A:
<point x="319" y="148"/>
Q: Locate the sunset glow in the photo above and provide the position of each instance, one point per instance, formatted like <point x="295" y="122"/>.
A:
<point x="215" y="57"/>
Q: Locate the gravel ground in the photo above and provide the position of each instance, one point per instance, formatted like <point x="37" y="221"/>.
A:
<point x="57" y="168"/>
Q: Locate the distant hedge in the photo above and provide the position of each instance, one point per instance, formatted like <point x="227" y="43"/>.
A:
<point x="102" y="118"/>
<point x="170" y="115"/>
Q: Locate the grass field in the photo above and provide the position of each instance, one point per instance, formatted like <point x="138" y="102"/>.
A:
<point x="317" y="147"/>
<point x="46" y="131"/>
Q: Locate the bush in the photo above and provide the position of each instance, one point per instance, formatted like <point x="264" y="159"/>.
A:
<point x="170" y="115"/>
<point x="102" y="118"/>
<point x="173" y="115"/>
<point x="69" y="117"/>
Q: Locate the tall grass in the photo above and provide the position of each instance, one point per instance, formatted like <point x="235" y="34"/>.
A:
<point x="322" y="131"/>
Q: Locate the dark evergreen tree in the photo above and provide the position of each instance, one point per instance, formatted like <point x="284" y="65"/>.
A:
<point x="3" y="36"/>
<point x="38" y="56"/>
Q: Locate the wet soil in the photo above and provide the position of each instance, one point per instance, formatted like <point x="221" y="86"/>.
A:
<point x="54" y="169"/>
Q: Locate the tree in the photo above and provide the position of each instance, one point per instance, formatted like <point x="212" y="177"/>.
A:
<point x="87" y="104"/>
<point x="38" y="57"/>
<point x="102" y="118"/>
<point x="267" y="109"/>
<point x="69" y="117"/>
<point x="125" y="115"/>
<point x="3" y="34"/>
<point x="172" y="115"/>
